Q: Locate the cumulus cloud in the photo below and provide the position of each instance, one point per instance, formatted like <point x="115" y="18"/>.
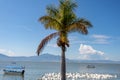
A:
<point x="7" y="52"/>
<point x="86" y="49"/>
<point x="89" y="53"/>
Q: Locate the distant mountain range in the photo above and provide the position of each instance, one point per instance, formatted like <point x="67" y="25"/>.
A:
<point x="50" y="58"/>
<point x="44" y="58"/>
<point x="2" y="56"/>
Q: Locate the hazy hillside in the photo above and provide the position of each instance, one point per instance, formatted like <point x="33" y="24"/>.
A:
<point x="1" y="55"/>
<point x="43" y="57"/>
<point x="50" y="58"/>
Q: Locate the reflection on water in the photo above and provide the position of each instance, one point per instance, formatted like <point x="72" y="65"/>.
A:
<point x="12" y="77"/>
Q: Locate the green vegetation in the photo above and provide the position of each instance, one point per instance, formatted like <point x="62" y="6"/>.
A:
<point x="62" y="19"/>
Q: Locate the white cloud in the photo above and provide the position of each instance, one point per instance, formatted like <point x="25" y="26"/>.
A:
<point x="7" y="52"/>
<point x="76" y="40"/>
<point x="100" y="36"/>
<point x="86" y="49"/>
<point x="72" y="38"/>
<point x="93" y="39"/>
<point x="87" y="52"/>
<point x="52" y="45"/>
<point x="92" y="57"/>
<point x="100" y="39"/>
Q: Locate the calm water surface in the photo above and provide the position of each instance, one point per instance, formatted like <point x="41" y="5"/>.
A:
<point x="35" y="70"/>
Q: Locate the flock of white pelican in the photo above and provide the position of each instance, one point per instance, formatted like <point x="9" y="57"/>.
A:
<point x="78" y="76"/>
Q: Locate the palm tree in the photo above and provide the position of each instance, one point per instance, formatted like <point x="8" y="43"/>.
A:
<point x="64" y="21"/>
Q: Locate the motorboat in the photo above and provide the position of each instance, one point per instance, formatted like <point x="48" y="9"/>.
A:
<point x="90" y="66"/>
<point x="13" y="69"/>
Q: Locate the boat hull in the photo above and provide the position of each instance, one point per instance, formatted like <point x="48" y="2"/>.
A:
<point x="90" y="66"/>
<point x="14" y="72"/>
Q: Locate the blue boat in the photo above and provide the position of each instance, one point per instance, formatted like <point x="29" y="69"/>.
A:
<point x="14" y="70"/>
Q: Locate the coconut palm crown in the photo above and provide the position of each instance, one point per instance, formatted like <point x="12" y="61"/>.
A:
<point x="64" y="20"/>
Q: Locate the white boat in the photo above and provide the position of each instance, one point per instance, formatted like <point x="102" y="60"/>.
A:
<point x="14" y="70"/>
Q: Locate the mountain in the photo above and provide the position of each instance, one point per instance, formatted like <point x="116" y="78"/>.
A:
<point x="44" y="58"/>
<point x="50" y="58"/>
<point x="3" y="56"/>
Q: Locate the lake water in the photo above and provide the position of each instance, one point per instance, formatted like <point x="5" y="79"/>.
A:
<point x="35" y="70"/>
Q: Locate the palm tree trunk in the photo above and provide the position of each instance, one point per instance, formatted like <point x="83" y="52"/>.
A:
<point x="63" y="64"/>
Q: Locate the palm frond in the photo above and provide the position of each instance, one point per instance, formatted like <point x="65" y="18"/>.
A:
<point x="66" y="10"/>
<point x="45" y="41"/>
<point x="50" y="22"/>
<point x="52" y="11"/>
<point x="71" y="5"/>
<point x="85" y="22"/>
<point x="64" y="20"/>
<point x="80" y="25"/>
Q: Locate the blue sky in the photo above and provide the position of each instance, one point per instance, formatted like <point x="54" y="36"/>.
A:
<point x="20" y="31"/>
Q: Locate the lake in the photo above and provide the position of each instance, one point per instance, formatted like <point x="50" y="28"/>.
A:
<point x="35" y="70"/>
